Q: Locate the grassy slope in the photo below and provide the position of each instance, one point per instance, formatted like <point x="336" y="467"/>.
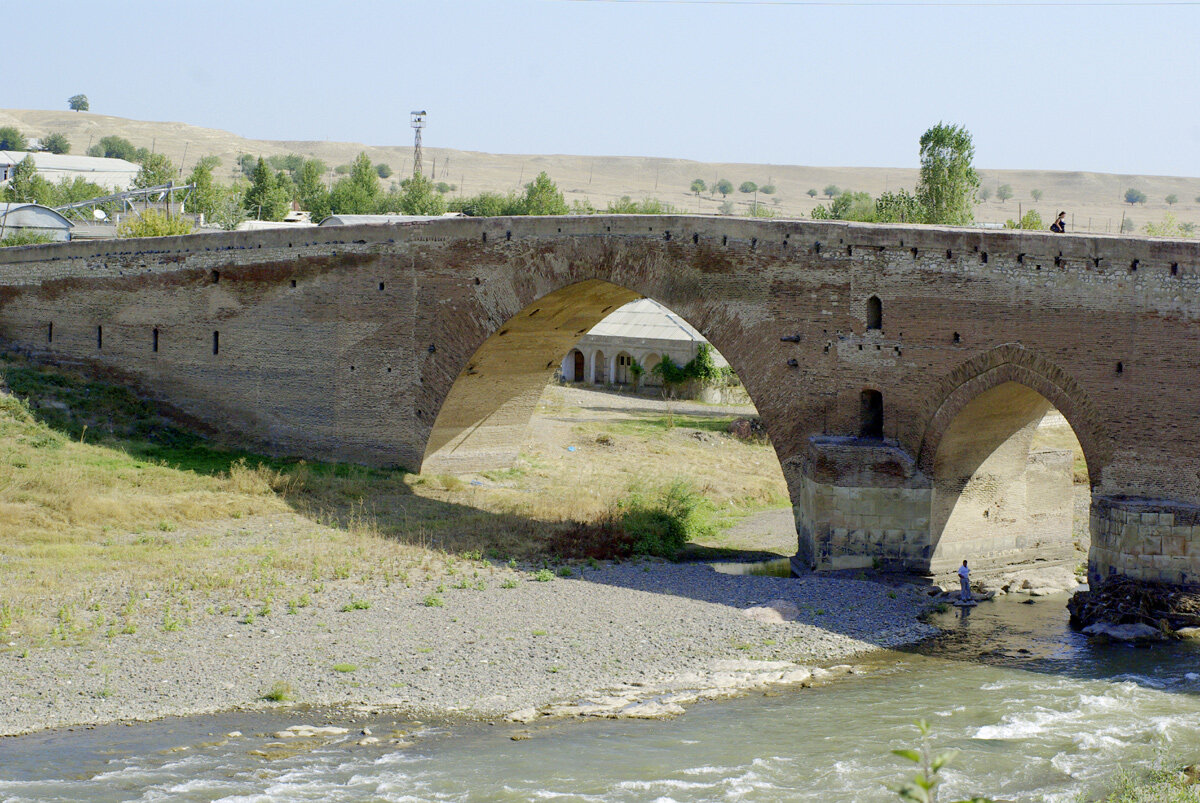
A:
<point x="104" y="503"/>
<point x="1095" y="196"/>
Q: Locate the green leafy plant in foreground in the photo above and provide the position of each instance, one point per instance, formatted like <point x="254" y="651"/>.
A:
<point x="923" y="786"/>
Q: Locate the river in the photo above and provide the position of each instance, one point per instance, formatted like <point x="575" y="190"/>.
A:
<point x="1038" y="713"/>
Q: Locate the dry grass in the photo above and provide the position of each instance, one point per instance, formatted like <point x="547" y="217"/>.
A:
<point x="113" y="520"/>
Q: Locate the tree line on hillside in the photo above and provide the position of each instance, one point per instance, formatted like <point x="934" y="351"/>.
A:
<point x="725" y="186"/>
<point x="11" y="139"/>
<point x="268" y="188"/>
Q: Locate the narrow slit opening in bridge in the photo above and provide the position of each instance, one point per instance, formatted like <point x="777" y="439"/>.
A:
<point x="216" y="343"/>
<point x="216" y="276"/>
<point x="50" y="333"/>
<point x="871" y="414"/>
<point x="874" y="313"/>
<point x="381" y="286"/>
<point x="1010" y="485"/>
<point x="99" y="337"/>
<point x="593" y="402"/>
<point x="154" y="340"/>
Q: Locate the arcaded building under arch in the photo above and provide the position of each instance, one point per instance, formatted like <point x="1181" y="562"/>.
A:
<point x="641" y="330"/>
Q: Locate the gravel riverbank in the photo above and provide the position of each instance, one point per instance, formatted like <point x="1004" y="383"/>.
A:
<point x="501" y="642"/>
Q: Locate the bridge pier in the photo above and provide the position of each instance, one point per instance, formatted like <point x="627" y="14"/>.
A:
<point x="859" y="503"/>
<point x="863" y="503"/>
<point x="1153" y="540"/>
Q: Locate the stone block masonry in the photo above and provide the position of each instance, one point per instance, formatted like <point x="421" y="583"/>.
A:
<point x="426" y="346"/>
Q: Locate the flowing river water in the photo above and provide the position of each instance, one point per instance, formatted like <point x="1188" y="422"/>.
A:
<point x="1037" y="711"/>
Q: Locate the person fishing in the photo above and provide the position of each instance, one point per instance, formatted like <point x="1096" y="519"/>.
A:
<point x="964" y="579"/>
<point x="1059" y="226"/>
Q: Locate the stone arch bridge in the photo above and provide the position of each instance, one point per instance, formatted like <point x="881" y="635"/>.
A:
<point x="902" y="372"/>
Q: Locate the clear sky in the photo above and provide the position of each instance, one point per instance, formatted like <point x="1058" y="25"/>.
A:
<point x="1068" y="86"/>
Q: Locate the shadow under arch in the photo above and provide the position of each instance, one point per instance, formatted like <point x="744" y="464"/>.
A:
<point x="1000" y="454"/>
<point x="484" y="416"/>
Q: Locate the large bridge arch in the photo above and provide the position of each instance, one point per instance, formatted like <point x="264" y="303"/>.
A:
<point x="483" y="416"/>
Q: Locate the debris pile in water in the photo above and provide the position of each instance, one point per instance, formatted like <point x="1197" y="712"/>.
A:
<point x="1122" y="601"/>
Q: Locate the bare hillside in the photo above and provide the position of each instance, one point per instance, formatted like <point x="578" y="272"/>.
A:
<point x="1093" y="199"/>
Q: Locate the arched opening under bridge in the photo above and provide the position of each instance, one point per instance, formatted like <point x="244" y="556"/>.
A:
<point x="1010" y="484"/>
<point x="524" y="433"/>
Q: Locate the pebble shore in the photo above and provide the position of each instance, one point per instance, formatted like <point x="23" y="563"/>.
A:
<point x="510" y="645"/>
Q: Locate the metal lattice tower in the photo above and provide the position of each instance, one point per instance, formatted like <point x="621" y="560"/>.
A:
<point x="418" y="122"/>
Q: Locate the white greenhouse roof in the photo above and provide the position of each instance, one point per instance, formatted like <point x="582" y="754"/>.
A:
<point x="646" y="318"/>
<point x="32" y="216"/>
<point x="72" y="164"/>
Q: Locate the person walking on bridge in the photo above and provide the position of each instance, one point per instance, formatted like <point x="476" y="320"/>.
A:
<point x="964" y="580"/>
<point x="1059" y="226"/>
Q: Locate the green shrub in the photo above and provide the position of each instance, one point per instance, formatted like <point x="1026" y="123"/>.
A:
<point x="279" y="692"/>
<point x="25" y="238"/>
<point x="543" y="575"/>
<point x="663" y="526"/>
<point x="433" y="601"/>
<point x="154" y="224"/>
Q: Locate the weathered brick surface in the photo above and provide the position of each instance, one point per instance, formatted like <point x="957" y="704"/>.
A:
<point x="347" y="341"/>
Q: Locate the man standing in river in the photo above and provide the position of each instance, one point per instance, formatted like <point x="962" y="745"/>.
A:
<point x="964" y="579"/>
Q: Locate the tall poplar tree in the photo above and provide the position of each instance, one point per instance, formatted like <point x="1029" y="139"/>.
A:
<point x="948" y="180"/>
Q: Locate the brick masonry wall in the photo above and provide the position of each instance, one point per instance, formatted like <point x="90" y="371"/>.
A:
<point x="347" y="342"/>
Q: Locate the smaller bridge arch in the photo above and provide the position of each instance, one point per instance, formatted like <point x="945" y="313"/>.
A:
<point x="1000" y="456"/>
<point x="1013" y="363"/>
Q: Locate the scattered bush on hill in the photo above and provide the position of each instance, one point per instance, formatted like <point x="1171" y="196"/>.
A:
<point x="56" y="143"/>
<point x="114" y="147"/>
<point x="1169" y="226"/>
<point x="647" y="206"/>
<point x="12" y="140"/>
<point x="1030" y="220"/>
